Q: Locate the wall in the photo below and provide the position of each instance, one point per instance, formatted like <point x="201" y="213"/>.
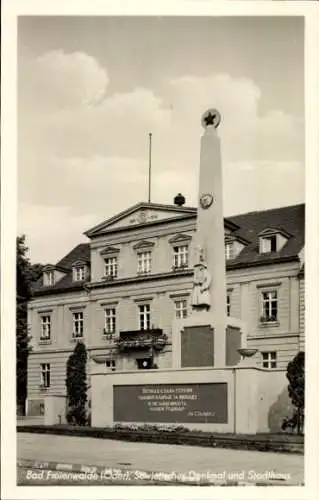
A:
<point x="286" y="346"/>
<point x="102" y="391"/>
<point x="57" y="362"/>
<point x="55" y="409"/>
<point x="274" y="401"/>
<point x="60" y="308"/>
<point x="161" y="252"/>
<point x="244" y="285"/>
<point x="262" y="391"/>
<point x="302" y="315"/>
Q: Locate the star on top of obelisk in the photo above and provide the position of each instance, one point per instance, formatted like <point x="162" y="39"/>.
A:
<point x="211" y="118"/>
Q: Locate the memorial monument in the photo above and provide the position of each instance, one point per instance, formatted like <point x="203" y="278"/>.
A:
<point x="208" y="381"/>
<point x="208" y="337"/>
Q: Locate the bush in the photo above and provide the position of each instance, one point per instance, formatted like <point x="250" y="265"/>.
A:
<point x="76" y="386"/>
<point x="296" y="390"/>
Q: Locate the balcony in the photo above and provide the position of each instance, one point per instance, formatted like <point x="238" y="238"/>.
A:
<point x="141" y="339"/>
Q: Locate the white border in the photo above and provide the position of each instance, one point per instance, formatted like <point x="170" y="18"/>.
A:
<point x="12" y="8"/>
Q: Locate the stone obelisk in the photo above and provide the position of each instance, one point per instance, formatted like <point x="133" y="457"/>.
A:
<point x="210" y="234"/>
<point x="208" y="337"/>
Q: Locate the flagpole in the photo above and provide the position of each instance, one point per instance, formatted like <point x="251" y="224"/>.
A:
<point x="149" y="167"/>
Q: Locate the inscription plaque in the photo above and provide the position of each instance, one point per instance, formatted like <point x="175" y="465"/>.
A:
<point x="175" y="403"/>
<point x="233" y="343"/>
<point x="197" y="346"/>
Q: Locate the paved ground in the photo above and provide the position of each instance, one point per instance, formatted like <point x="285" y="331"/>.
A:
<point x="253" y="465"/>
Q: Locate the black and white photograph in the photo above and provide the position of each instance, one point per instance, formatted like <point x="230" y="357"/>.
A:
<point x="160" y="263"/>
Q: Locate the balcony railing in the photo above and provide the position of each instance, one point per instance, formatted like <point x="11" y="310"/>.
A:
<point x="141" y="339"/>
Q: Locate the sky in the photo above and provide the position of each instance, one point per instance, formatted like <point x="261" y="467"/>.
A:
<point x="90" y="89"/>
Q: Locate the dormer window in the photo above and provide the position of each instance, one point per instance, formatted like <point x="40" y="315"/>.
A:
<point x="269" y="244"/>
<point x="52" y="274"/>
<point x="272" y="240"/>
<point x="79" y="272"/>
<point x="229" y="250"/>
<point x="48" y="278"/>
<point x="233" y="246"/>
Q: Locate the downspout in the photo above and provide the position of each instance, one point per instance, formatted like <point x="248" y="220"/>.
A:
<point x="234" y="401"/>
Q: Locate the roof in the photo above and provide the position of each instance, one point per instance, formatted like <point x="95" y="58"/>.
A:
<point x="109" y="225"/>
<point x="80" y="252"/>
<point x="141" y="205"/>
<point x="290" y="220"/>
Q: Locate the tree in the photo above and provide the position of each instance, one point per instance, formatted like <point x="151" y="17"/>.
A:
<point x="26" y="275"/>
<point x="296" y="390"/>
<point x="76" y="385"/>
<point x="22" y="337"/>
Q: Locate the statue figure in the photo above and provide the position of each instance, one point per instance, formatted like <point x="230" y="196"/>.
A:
<point x="201" y="284"/>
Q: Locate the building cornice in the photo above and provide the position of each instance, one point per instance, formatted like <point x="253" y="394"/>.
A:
<point x="230" y="266"/>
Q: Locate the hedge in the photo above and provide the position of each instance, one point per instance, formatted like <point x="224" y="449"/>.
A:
<point x="285" y="443"/>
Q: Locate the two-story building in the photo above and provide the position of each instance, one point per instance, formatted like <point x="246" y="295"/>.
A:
<point x="120" y="292"/>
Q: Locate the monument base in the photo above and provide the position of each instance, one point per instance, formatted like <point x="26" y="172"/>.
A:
<point x="209" y="399"/>
<point x="206" y="340"/>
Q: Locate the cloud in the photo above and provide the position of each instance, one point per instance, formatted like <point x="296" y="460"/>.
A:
<point x="64" y="230"/>
<point x="57" y="80"/>
<point x="262" y="185"/>
<point x="247" y="186"/>
<point x="86" y="149"/>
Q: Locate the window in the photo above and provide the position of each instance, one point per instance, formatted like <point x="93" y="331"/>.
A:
<point x="145" y="316"/>
<point x="180" y="254"/>
<point x="45" y="327"/>
<point x="269" y="244"/>
<point x="144" y="262"/>
<point x="111" y="267"/>
<point x="181" y="308"/>
<point x="110" y="320"/>
<point x="228" y="306"/>
<point x="77" y="331"/>
<point x="229" y="250"/>
<point x="269" y="359"/>
<point x="111" y="364"/>
<point x="49" y="278"/>
<point x="45" y="375"/>
<point x="78" y="273"/>
<point x="269" y="307"/>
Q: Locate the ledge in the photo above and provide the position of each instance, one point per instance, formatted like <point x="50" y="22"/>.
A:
<point x="76" y="339"/>
<point x="269" y="324"/>
<point x="45" y="342"/>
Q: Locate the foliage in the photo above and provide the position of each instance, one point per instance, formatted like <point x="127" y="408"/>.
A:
<point x="27" y="273"/>
<point x="76" y="385"/>
<point x="296" y="390"/>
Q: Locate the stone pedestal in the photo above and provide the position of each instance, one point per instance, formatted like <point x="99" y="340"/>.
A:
<point x="200" y="340"/>
<point x="55" y="409"/>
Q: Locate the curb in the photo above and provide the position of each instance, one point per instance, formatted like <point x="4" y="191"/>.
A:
<point x="252" y="443"/>
<point x="127" y="474"/>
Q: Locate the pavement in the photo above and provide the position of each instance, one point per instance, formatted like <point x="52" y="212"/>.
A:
<point x="188" y="462"/>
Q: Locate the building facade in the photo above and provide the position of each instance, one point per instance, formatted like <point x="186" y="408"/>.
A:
<point x="120" y="292"/>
